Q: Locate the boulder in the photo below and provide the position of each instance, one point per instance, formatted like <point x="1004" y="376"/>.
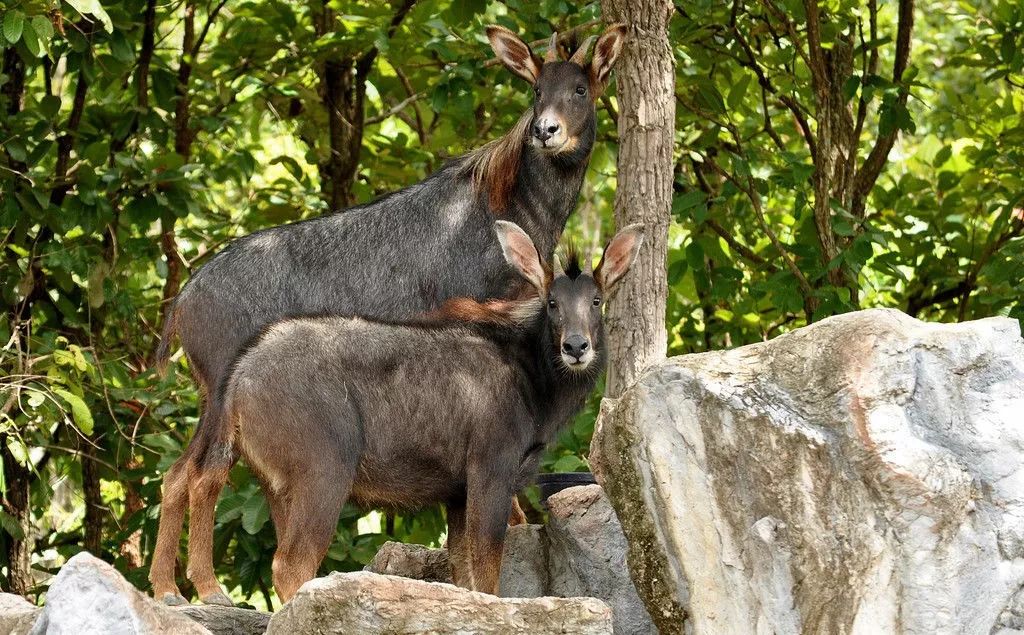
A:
<point x="90" y="596"/>
<point x="17" y="615"/>
<point x="523" y="565"/>
<point x="227" y="620"/>
<point x="412" y="561"/>
<point x="864" y="474"/>
<point x="364" y="602"/>
<point x="581" y="552"/>
<point x="587" y="556"/>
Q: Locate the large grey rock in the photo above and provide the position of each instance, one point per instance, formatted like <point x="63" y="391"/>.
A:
<point x="588" y="556"/>
<point x="364" y="602"/>
<point x="581" y="552"/>
<point x="90" y="596"/>
<point x="227" y="620"/>
<point x="17" y="615"/>
<point x="412" y="561"/>
<point x="861" y="475"/>
<point x="523" y="563"/>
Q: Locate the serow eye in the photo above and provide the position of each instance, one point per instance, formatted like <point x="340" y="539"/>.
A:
<point x="536" y="90"/>
<point x="552" y="304"/>
<point x="581" y="90"/>
<point x="597" y="301"/>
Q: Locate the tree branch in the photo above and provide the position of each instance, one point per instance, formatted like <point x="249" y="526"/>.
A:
<point x="365" y="62"/>
<point x="394" y="110"/>
<point x="867" y="175"/>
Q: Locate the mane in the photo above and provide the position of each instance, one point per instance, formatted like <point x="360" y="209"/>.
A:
<point x="495" y="164"/>
<point x="572" y="264"/>
<point x="501" y="313"/>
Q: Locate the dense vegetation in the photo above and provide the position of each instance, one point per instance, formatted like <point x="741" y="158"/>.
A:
<point x="139" y="137"/>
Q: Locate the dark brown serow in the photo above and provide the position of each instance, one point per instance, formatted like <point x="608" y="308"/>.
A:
<point x="453" y="408"/>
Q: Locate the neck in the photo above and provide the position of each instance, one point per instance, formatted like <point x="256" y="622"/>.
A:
<point x="546" y="191"/>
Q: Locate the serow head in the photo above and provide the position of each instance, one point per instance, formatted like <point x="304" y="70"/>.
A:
<point x="573" y="294"/>
<point x="564" y="91"/>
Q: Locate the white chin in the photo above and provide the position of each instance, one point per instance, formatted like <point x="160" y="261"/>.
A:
<point x="551" y="146"/>
<point x="577" y="365"/>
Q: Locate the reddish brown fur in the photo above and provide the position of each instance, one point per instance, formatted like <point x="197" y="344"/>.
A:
<point x="494" y="166"/>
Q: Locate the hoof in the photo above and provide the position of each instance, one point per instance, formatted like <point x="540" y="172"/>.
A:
<point x="174" y="599"/>
<point x="218" y="599"/>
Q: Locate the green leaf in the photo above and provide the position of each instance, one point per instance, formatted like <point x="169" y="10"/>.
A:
<point x="31" y="40"/>
<point x="568" y="463"/>
<point x="92" y="7"/>
<point x="739" y="91"/>
<point x="14" y="21"/>
<point x="11" y="525"/>
<point x="942" y="156"/>
<point x="43" y="28"/>
<point x="255" y="513"/>
<point x="80" y="411"/>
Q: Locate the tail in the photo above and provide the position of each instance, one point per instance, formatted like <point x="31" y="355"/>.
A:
<point x="163" y="351"/>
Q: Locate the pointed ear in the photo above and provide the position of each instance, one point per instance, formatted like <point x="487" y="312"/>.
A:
<point x="514" y="53"/>
<point x="520" y="252"/>
<point x="605" y="54"/>
<point x="619" y="256"/>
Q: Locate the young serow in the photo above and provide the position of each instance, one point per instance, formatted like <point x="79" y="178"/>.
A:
<point x="359" y="263"/>
<point x="453" y="408"/>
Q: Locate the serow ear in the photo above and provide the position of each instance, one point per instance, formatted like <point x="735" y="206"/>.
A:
<point x="605" y="54"/>
<point x="619" y="256"/>
<point x="520" y="252"/>
<point x="514" y="53"/>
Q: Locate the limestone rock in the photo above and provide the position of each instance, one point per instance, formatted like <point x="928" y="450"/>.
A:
<point x="580" y="553"/>
<point x="588" y="556"/>
<point x="524" y="567"/>
<point x="523" y="564"/>
<point x="412" y="561"/>
<point x="864" y="474"/>
<point x="90" y="596"/>
<point x="364" y="602"/>
<point x="17" y="615"/>
<point x="227" y="620"/>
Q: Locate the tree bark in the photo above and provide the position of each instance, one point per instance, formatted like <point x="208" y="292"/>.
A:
<point x="645" y="80"/>
<point x="343" y="93"/>
<point x="17" y="549"/>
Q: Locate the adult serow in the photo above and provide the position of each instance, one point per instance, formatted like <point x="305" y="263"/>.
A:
<point x="453" y="408"/>
<point x="359" y="262"/>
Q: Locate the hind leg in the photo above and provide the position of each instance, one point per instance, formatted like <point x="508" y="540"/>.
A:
<point x="312" y="517"/>
<point x="204" y="489"/>
<point x="172" y="519"/>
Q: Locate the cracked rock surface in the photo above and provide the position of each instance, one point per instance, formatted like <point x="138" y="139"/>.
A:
<point x="864" y="474"/>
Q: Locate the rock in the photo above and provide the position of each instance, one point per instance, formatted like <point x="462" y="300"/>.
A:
<point x="587" y="556"/>
<point x="90" y="596"/>
<point x="227" y="620"/>
<point x="523" y="564"/>
<point x="864" y="474"/>
<point x="365" y="602"/>
<point x="17" y="615"/>
<point x="412" y="561"/>
<point x="524" y="567"/>
<point x="580" y="553"/>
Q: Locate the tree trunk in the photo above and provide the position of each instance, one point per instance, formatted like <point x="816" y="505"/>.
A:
<point x="92" y="525"/>
<point x="17" y="549"/>
<point x="645" y="80"/>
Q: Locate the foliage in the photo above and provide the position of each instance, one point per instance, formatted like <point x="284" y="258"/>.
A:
<point x="138" y="138"/>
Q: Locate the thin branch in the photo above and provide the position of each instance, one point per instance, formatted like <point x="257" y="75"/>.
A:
<point x="755" y="200"/>
<point x="211" y="16"/>
<point x="394" y="110"/>
<point x="365" y="62"/>
<point x="868" y="173"/>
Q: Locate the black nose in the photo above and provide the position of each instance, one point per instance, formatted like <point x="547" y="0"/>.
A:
<point x="544" y="129"/>
<point x="575" y="346"/>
